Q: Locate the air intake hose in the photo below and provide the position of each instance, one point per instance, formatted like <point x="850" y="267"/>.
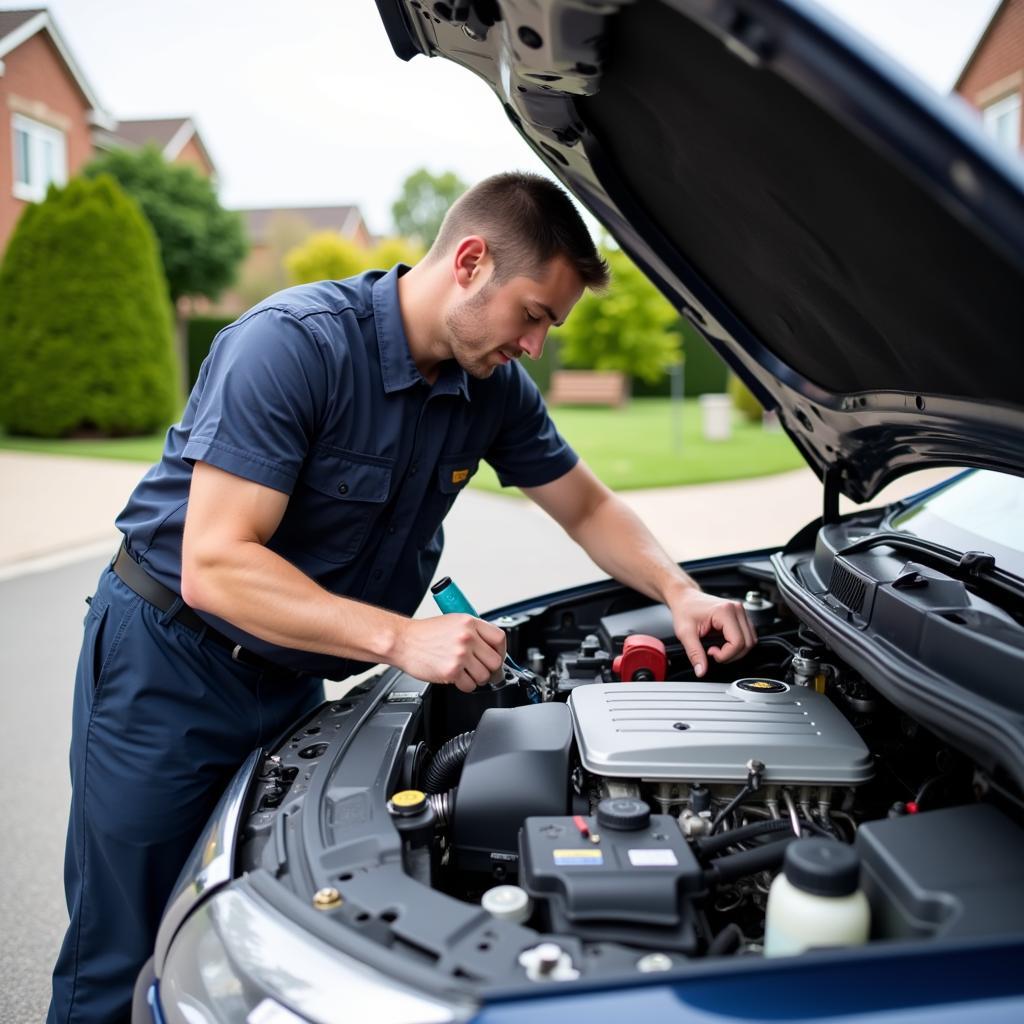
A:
<point x="446" y="765"/>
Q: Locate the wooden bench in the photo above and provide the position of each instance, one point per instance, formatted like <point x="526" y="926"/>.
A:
<point x="588" y="387"/>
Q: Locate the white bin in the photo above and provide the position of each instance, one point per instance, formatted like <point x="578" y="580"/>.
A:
<point x="716" y="417"/>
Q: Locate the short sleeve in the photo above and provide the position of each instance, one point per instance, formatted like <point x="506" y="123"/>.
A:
<point x="260" y="394"/>
<point x="528" y="450"/>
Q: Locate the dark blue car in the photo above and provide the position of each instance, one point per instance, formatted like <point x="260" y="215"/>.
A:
<point x="830" y="829"/>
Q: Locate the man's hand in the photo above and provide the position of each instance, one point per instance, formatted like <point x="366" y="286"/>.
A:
<point x="451" y="648"/>
<point x="696" y="614"/>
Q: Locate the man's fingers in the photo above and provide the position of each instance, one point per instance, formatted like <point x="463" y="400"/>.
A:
<point x="694" y="649"/>
<point x="737" y="632"/>
<point x="493" y="636"/>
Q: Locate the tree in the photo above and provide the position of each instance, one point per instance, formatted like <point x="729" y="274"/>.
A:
<point x="629" y="328"/>
<point x="325" y="256"/>
<point x="424" y="201"/>
<point x="85" y="323"/>
<point x="201" y="243"/>
<point x="743" y="400"/>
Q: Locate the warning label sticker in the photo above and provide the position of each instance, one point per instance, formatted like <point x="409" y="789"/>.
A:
<point x="652" y="858"/>
<point x="583" y="858"/>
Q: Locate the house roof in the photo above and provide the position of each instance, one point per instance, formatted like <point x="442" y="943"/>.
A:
<point x="159" y="130"/>
<point x="17" y="27"/>
<point x="343" y="219"/>
<point x="169" y="134"/>
<point x="10" y="20"/>
<point x="982" y="40"/>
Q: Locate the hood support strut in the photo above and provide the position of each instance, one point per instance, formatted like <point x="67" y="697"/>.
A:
<point x="831" y="481"/>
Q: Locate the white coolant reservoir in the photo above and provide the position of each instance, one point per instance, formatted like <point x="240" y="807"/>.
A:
<point x="816" y="900"/>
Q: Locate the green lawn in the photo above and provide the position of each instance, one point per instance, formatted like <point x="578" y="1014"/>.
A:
<point x="628" y="448"/>
<point x="633" y="447"/>
<point x="139" y="449"/>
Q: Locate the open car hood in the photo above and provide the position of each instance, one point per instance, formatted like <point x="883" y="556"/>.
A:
<point x="849" y="242"/>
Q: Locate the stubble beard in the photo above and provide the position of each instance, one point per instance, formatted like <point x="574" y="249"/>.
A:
<point x="470" y="344"/>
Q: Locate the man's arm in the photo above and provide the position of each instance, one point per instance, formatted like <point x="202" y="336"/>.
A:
<point x="227" y="570"/>
<point x="615" y="538"/>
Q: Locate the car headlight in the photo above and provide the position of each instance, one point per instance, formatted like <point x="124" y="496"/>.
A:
<point x="236" y="960"/>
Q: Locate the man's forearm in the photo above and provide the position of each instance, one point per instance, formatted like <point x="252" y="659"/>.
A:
<point x="618" y="541"/>
<point x="255" y="589"/>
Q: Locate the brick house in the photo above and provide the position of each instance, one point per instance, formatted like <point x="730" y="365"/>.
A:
<point x="993" y="77"/>
<point x="49" y="112"/>
<point x="53" y="123"/>
<point x="272" y="233"/>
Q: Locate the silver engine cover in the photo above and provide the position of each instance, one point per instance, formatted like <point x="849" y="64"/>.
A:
<point x="706" y="732"/>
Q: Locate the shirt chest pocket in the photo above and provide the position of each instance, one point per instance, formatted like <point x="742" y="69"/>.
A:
<point x="453" y="475"/>
<point x="343" y="495"/>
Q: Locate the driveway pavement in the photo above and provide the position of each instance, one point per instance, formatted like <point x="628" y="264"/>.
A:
<point x="56" y="532"/>
<point x="54" y="508"/>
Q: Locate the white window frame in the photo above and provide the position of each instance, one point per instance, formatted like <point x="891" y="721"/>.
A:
<point x="993" y="113"/>
<point x="33" y="188"/>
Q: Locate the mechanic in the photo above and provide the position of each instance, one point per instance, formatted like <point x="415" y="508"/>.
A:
<point x="293" y="525"/>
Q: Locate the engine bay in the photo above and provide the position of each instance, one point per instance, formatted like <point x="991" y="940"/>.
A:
<point x="600" y="809"/>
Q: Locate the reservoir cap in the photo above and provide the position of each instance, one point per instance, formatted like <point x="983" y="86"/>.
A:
<point x="623" y="814"/>
<point x="407" y="802"/>
<point x="822" y="867"/>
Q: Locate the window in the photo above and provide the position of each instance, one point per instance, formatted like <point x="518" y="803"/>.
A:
<point x="40" y="157"/>
<point x="1002" y="120"/>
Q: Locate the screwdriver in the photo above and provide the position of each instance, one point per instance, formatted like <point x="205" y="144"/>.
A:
<point x="449" y="598"/>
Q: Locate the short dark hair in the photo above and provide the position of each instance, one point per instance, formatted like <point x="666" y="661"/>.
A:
<point x="526" y="220"/>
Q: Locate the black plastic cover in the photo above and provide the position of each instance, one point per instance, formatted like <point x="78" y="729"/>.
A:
<point x="952" y="873"/>
<point x="517" y="766"/>
<point x="627" y="887"/>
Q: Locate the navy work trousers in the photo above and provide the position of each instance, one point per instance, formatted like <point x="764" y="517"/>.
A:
<point x="162" y="720"/>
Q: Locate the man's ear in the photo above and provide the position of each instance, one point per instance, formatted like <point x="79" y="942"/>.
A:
<point x="470" y="261"/>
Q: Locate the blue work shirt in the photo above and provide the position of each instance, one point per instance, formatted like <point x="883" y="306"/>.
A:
<point x="314" y="393"/>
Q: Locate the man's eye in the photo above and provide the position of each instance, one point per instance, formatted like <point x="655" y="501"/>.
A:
<point x="529" y="316"/>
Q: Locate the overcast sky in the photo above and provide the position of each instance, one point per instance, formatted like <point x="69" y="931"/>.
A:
<point x="303" y="102"/>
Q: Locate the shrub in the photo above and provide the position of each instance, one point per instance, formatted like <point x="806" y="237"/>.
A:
<point x="743" y="400"/>
<point x="201" y="244"/>
<point x="201" y="332"/>
<point x="85" y="322"/>
<point x="325" y="256"/>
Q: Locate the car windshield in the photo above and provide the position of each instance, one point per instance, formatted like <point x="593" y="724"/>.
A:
<point x="978" y="511"/>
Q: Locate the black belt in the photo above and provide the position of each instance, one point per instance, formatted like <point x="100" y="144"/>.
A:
<point x="138" y="580"/>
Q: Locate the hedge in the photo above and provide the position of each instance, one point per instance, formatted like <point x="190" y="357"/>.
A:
<point x="86" y="336"/>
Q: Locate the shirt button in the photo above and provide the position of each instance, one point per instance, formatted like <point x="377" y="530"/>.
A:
<point x="343" y="488"/>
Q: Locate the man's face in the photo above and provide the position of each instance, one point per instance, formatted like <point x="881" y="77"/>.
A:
<point x="500" y="322"/>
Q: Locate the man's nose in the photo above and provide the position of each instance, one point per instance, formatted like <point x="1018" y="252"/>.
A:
<point x="533" y="343"/>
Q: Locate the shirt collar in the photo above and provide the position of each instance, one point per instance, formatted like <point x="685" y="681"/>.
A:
<point x="397" y="368"/>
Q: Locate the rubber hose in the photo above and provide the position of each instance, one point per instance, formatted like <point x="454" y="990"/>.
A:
<point x="746" y="862"/>
<point x="443" y="806"/>
<point x="726" y="941"/>
<point x="446" y="765"/>
<point x="710" y="846"/>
